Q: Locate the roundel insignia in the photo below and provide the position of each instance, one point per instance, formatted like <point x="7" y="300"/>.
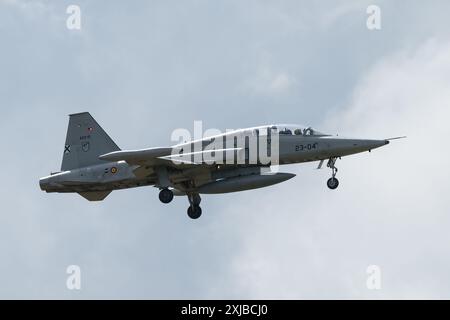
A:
<point x="114" y="170"/>
<point x="85" y="146"/>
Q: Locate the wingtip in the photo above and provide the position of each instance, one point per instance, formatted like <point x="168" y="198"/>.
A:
<point x="396" y="138"/>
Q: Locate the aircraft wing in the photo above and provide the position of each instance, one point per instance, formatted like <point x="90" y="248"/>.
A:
<point x="163" y="156"/>
<point x="202" y="157"/>
<point x="136" y="157"/>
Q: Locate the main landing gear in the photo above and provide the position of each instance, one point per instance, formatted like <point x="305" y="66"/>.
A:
<point x="333" y="182"/>
<point x="194" y="211"/>
<point x="165" y="195"/>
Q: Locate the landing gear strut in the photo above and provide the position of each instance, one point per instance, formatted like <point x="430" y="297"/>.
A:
<point x="194" y="211"/>
<point x="165" y="195"/>
<point x="333" y="182"/>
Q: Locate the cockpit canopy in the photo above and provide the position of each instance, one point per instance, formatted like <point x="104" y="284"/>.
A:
<point x="296" y="130"/>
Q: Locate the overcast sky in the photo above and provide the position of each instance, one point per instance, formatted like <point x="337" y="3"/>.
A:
<point x="146" y="68"/>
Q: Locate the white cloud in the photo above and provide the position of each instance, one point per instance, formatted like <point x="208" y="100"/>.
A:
<point x="332" y="14"/>
<point x="281" y="82"/>
<point x="303" y="241"/>
<point x="167" y="66"/>
<point x="268" y="81"/>
<point x="34" y="5"/>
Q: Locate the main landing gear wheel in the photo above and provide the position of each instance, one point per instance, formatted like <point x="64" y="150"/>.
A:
<point x="194" y="211"/>
<point x="333" y="182"/>
<point x="165" y="195"/>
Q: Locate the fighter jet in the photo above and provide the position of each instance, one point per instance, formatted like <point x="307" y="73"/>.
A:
<point x="94" y="166"/>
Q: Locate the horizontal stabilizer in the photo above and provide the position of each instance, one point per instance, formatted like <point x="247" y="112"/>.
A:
<point x="95" y="195"/>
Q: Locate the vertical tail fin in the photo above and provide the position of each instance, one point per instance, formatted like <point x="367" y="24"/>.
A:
<point x="85" y="142"/>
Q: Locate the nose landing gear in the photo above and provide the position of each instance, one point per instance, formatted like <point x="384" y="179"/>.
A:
<point x="333" y="182"/>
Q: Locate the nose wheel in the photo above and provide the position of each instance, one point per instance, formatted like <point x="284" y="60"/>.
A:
<point x="333" y="182"/>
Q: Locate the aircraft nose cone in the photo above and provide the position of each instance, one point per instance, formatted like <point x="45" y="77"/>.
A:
<point x="372" y="144"/>
<point x="361" y="145"/>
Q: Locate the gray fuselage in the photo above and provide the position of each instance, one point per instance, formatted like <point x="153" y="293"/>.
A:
<point x="193" y="177"/>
